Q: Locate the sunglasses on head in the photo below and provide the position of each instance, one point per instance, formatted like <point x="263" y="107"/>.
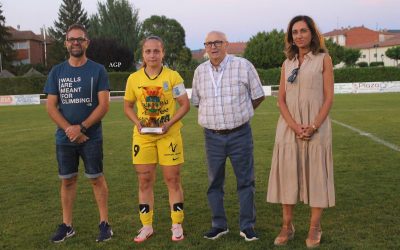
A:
<point x="293" y="75"/>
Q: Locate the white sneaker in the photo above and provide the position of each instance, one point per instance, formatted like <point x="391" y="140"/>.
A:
<point x="144" y="233"/>
<point x="177" y="232"/>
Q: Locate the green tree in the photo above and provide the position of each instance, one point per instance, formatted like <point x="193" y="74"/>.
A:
<point x="394" y="53"/>
<point x="266" y="50"/>
<point x="184" y="59"/>
<point x="173" y="35"/>
<point x="6" y="52"/>
<point x="70" y="12"/>
<point x="335" y="51"/>
<point x="118" y="20"/>
<point x="351" y="56"/>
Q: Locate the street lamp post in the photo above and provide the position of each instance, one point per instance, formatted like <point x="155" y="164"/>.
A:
<point x="45" y="46"/>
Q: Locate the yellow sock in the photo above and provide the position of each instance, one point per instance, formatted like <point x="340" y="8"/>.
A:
<point x="177" y="217"/>
<point x="146" y="218"/>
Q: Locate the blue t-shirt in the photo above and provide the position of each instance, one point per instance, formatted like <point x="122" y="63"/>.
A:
<point x="77" y="88"/>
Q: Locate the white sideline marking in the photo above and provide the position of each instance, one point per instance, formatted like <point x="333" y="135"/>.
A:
<point x="52" y="126"/>
<point x="372" y="137"/>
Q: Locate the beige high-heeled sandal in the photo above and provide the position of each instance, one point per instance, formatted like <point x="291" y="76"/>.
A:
<point x="284" y="236"/>
<point x="314" y="241"/>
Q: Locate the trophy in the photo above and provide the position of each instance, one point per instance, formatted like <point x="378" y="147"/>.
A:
<point x="152" y="105"/>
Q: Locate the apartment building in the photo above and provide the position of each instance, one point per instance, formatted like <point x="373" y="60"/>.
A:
<point x="29" y="47"/>
<point x="372" y="44"/>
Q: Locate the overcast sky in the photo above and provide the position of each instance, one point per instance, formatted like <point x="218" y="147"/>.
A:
<point x="239" y="19"/>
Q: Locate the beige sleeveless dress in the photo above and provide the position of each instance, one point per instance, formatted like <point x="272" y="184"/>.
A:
<point x="303" y="170"/>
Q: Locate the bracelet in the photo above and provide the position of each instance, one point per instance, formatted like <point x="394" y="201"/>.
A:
<point x="83" y="128"/>
<point x="314" y="128"/>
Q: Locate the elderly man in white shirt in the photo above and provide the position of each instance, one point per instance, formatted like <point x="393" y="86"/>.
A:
<point x="227" y="89"/>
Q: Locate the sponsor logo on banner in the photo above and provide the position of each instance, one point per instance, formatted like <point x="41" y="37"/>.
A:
<point x="6" y="100"/>
<point x="367" y="87"/>
<point x="19" y="100"/>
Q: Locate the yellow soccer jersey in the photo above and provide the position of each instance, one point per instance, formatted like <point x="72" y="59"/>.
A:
<point x="154" y="97"/>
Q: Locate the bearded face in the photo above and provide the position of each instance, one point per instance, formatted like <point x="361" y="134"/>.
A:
<point x="76" y="43"/>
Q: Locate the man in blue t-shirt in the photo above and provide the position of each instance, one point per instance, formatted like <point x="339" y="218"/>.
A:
<point x="78" y="98"/>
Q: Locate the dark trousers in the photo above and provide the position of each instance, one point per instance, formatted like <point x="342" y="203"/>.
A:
<point x="238" y="146"/>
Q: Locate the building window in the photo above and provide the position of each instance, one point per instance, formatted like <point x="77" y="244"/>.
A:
<point x="20" y="45"/>
<point x="375" y="55"/>
<point x="25" y="61"/>
<point x="364" y="56"/>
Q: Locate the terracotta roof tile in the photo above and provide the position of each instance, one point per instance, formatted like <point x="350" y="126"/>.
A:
<point x="335" y="32"/>
<point x="237" y="48"/>
<point x="198" y="54"/>
<point x="23" y="35"/>
<point x="362" y="37"/>
<point x="394" y="41"/>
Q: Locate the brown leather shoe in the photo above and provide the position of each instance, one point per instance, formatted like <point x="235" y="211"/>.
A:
<point x="314" y="237"/>
<point x="286" y="234"/>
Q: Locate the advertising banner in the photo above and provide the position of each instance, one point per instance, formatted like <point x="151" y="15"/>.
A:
<point x="6" y="100"/>
<point x="367" y="87"/>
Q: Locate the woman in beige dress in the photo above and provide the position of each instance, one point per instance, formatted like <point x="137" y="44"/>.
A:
<point x="302" y="165"/>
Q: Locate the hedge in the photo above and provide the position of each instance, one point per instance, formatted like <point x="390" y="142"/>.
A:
<point x="35" y="85"/>
<point x="374" y="64"/>
<point x="362" y="64"/>
<point x="343" y="75"/>
<point x="118" y="80"/>
<point x="269" y="76"/>
<point x="370" y="74"/>
<point x="22" y="85"/>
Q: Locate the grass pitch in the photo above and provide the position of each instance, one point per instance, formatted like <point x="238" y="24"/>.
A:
<point x="367" y="177"/>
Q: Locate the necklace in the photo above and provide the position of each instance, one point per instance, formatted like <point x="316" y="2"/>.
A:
<point x="159" y="73"/>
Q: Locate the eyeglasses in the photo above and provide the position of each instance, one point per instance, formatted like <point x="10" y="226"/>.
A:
<point x="216" y="43"/>
<point x="76" y="39"/>
<point x="293" y="75"/>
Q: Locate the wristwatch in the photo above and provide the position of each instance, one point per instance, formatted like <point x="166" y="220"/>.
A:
<point x="83" y="128"/>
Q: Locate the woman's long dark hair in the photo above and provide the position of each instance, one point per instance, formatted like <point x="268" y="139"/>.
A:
<point x="317" y="44"/>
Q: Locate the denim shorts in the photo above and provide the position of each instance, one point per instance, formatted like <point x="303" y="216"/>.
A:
<point x="91" y="153"/>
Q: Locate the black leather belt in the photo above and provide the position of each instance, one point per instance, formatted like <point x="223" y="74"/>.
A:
<point x="227" y="131"/>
